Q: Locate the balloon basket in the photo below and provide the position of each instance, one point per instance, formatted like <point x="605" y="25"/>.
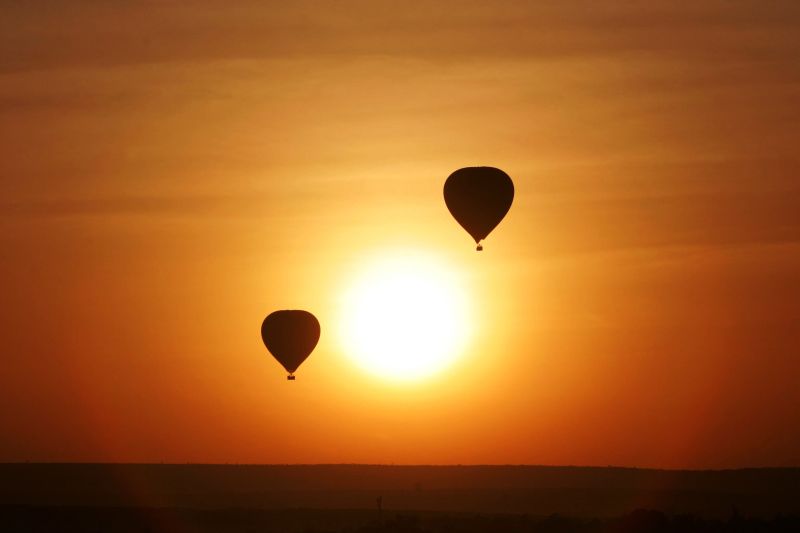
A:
<point x="479" y="248"/>
<point x="290" y="377"/>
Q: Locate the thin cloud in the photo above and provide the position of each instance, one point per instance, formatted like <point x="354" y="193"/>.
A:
<point x="93" y="34"/>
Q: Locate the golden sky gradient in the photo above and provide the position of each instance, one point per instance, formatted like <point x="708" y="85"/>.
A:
<point x="174" y="171"/>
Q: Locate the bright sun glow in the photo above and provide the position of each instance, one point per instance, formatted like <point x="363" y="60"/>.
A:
<point x="405" y="317"/>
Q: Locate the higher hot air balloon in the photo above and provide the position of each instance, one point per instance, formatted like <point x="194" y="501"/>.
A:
<point x="478" y="198"/>
<point x="290" y="336"/>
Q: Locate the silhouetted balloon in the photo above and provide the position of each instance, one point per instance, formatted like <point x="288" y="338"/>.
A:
<point x="290" y="336"/>
<point x="478" y="198"/>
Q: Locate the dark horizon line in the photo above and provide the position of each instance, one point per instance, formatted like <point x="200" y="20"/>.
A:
<point x="396" y="465"/>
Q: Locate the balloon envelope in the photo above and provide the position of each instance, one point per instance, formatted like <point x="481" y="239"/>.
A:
<point x="290" y="336"/>
<point x="478" y="198"/>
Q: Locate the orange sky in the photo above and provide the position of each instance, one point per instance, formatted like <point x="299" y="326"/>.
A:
<point x="173" y="172"/>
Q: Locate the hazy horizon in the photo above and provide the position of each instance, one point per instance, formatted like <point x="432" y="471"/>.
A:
<point x="411" y="465"/>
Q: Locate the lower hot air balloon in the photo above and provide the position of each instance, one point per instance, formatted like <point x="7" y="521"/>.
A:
<point x="290" y="336"/>
<point x="478" y="198"/>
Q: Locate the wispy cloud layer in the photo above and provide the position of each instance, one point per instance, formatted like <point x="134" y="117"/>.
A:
<point x="169" y="170"/>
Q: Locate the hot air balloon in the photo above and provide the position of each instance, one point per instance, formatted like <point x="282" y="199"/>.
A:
<point x="478" y="198"/>
<point x="290" y="336"/>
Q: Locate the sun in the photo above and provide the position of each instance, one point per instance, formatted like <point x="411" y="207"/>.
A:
<point x="404" y="317"/>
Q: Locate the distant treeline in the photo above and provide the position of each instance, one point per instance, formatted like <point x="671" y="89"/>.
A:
<point x="31" y="519"/>
<point x="532" y="490"/>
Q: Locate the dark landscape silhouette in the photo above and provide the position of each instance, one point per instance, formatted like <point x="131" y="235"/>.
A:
<point x="328" y="498"/>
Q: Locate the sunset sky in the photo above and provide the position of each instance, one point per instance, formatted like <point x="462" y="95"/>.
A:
<point x="172" y="172"/>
